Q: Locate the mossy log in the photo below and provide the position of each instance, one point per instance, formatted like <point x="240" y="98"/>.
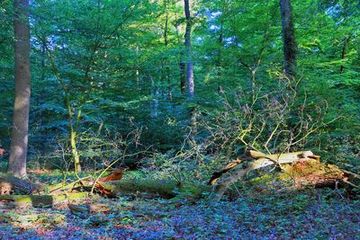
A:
<point x="41" y="200"/>
<point x="166" y="188"/>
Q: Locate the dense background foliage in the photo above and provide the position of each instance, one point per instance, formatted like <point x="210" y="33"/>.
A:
<point x="109" y="71"/>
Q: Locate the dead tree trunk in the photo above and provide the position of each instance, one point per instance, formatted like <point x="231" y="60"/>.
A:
<point x="303" y="168"/>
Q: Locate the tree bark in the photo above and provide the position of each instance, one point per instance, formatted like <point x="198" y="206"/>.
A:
<point x="343" y="52"/>
<point x="11" y="184"/>
<point x="182" y="73"/>
<point x="166" y="42"/>
<point x="19" y="138"/>
<point x="289" y="43"/>
<point x="189" y="63"/>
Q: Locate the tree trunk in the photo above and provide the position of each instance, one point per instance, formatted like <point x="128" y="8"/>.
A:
<point x="166" y="42"/>
<point x="154" y="105"/>
<point x="182" y="74"/>
<point x="343" y="52"/>
<point x="73" y="122"/>
<point x="182" y="69"/>
<point x="288" y="38"/>
<point x="189" y="64"/>
<point x="19" y="138"/>
<point x="74" y="151"/>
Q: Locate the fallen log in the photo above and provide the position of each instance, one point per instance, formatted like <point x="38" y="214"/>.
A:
<point x="281" y="158"/>
<point x="263" y="160"/>
<point x="303" y="168"/>
<point x="164" y="188"/>
<point x="11" y="184"/>
<point x="228" y="167"/>
<point x="40" y="200"/>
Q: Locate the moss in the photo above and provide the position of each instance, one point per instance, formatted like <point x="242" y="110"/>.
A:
<point x="311" y="167"/>
<point x="263" y="179"/>
<point x="42" y="200"/>
<point x="165" y="187"/>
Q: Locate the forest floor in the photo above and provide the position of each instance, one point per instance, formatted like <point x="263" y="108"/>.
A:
<point x="309" y="214"/>
<point x="312" y="215"/>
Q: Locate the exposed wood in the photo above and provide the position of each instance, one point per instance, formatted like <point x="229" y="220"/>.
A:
<point x="115" y="175"/>
<point x="303" y="168"/>
<point x="314" y="173"/>
<point x="282" y="158"/>
<point x="218" y="174"/>
<point x="221" y="188"/>
<point x="264" y="160"/>
<point x="354" y="175"/>
<point x="2" y="151"/>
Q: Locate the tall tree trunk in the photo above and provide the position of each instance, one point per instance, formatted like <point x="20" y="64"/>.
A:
<point x="43" y="57"/>
<point x="288" y="38"/>
<point x="73" y="136"/>
<point x="72" y="120"/>
<point x="137" y="71"/>
<point x="182" y="70"/>
<point x="19" y="138"/>
<point x="189" y="63"/>
<point x="182" y="73"/>
<point x="343" y="52"/>
<point x="154" y="105"/>
<point x="166" y="42"/>
<point x="166" y="26"/>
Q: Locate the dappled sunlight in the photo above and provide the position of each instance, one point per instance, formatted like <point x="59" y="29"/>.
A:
<point x="179" y="119"/>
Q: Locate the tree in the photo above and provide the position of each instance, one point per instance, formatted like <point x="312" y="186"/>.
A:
<point x="289" y="43"/>
<point x="19" y="139"/>
<point x="189" y="64"/>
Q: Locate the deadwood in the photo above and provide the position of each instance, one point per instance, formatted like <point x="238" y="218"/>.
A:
<point x="304" y="168"/>
<point x="11" y="184"/>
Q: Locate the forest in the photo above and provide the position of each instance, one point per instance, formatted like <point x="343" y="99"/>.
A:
<point x="179" y="119"/>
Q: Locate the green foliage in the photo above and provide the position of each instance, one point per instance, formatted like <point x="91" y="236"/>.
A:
<point x="109" y="70"/>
